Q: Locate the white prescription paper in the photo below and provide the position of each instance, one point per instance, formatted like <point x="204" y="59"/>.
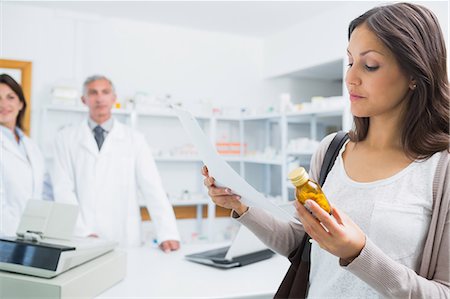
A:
<point x="223" y="174"/>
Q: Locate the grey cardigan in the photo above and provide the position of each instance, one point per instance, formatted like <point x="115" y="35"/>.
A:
<point x="388" y="277"/>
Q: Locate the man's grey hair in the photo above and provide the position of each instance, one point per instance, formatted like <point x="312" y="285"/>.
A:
<point x="95" y="78"/>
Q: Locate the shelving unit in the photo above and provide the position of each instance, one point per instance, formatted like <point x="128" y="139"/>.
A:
<point x="176" y="168"/>
<point x="266" y="173"/>
<point x="317" y="119"/>
<point x="262" y="157"/>
<point x="276" y="133"/>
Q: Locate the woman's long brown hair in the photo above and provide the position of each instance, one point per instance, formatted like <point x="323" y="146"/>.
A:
<point x="413" y="35"/>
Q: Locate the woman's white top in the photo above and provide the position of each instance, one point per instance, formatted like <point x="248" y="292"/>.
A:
<point x="394" y="213"/>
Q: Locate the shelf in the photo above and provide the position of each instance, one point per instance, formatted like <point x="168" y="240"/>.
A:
<point x="168" y="113"/>
<point x="305" y="153"/>
<point x="177" y="159"/>
<point x="190" y="202"/>
<point x="226" y="158"/>
<point x="158" y="159"/>
<point x="83" y="109"/>
<point x="318" y="112"/>
<point x="267" y="116"/>
<point x="245" y="117"/>
<point x="276" y="161"/>
<point x="256" y="160"/>
<point x="155" y="113"/>
<point x="228" y="118"/>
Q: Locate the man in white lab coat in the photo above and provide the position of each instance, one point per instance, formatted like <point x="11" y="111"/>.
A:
<point x="101" y="164"/>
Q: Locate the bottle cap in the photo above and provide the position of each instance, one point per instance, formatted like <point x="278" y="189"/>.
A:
<point x="298" y="176"/>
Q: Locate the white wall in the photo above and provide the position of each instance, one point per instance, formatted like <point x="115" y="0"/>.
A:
<point x="34" y="35"/>
<point x="323" y="38"/>
<point x="188" y="64"/>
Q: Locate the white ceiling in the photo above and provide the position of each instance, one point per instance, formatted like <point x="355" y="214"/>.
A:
<point x="249" y="18"/>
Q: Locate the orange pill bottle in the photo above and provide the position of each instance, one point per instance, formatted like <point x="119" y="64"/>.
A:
<point x="305" y="189"/>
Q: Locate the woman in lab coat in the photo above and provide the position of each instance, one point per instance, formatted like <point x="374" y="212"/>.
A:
<point x="22" y="175"/>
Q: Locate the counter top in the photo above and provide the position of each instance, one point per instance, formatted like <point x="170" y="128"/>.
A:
<point x="152" y="273"/>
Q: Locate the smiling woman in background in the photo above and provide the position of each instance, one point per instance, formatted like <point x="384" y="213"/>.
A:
<point x="23" y="174"/>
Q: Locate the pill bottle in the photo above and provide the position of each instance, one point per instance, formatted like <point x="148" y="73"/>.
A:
<point x="305" y="189"/>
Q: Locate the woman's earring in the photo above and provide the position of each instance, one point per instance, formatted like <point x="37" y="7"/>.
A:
<point x="413" y="87"/>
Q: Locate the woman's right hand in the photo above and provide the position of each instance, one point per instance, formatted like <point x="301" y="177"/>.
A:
<point x="223" y="197"/>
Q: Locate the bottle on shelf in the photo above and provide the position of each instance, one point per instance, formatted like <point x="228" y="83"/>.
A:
<point x="305" y="189"/>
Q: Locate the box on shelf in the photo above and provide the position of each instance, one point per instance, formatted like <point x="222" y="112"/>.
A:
<point x="328" y="102"/>
<point x="305" y="145"/>
<point x="66" y="96"/>
<point x="230" y="148"/>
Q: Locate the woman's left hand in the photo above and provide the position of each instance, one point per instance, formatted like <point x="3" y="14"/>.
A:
<point x="337" y="234"/>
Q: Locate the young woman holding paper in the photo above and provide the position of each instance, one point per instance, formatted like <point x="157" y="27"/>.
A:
<point x="388" y="235"/>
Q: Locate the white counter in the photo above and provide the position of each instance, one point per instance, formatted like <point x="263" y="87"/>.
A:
<point x="152" y="273"/>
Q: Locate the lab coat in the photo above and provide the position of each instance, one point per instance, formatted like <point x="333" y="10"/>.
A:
<point x="21" y="179"/>
<point x="105" y="183"/>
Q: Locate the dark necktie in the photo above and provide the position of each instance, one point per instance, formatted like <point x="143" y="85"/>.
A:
<point x="99" y="137"/>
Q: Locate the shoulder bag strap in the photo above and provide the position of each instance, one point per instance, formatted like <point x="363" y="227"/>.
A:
<point x="331" y="155"/>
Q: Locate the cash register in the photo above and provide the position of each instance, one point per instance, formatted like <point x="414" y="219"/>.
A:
<point x="44" y="245"/>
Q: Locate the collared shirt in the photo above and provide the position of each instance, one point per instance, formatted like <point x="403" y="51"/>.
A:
<point x="6" y="132"/>
<point x="106" y="126"/>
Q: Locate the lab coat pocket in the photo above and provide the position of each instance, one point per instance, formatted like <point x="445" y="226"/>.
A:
<point x="398" y="230"/>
